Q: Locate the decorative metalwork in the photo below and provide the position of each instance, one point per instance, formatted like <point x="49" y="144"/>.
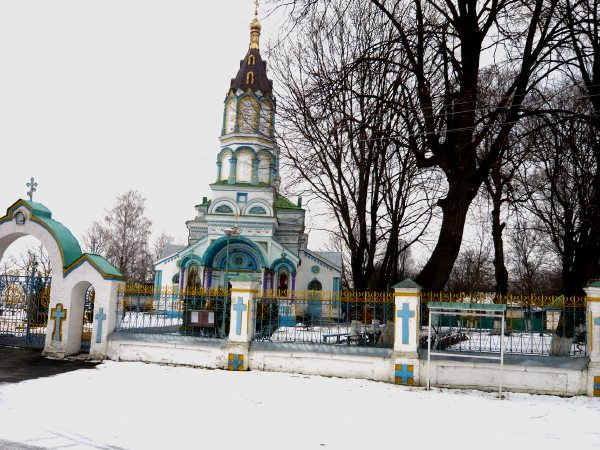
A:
<point x="143" y="309"/>
<point x="32" y="185"/>
<point x="535" y="324"/>
<point x="88" y="319"/>
<point x="24" y="302"/>
<point x="326" y="318"/>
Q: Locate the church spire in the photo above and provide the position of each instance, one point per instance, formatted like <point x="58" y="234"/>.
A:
<point x="255" y="28"/>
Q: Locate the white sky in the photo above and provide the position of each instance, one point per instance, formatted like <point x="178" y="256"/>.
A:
<point x="98" y="97"/>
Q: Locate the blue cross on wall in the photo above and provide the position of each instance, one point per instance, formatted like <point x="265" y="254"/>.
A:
<point x="100" y="317"/>
<point x="239" y="308"/>
<point x="58" y="315"/>
<point x="235" y="361"/>
<point x="405" y="314"/>
<point x="404" y="374"/>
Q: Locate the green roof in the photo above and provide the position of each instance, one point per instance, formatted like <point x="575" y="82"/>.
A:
<point x="68" y="245"/>
<point x="103" y="265"/>
<point x="595" y="284"/>
<point x="407" y="284"/>
<point x="284" y="203"/>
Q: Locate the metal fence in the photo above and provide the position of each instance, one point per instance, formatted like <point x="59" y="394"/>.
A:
<point x="193" y="312"/>
<point x="364" y="319"/>
<point x="535" y="325"/>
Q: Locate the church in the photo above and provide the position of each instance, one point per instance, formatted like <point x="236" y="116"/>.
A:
<point x="247" y="226"/>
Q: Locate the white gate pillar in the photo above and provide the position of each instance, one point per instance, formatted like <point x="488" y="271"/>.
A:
<point x="592" y="317"/>
<point x="244" y="289"/>
<point x="407" y="298"/>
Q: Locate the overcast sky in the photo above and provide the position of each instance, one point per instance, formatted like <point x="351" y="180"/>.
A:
<point x="98" y="97"/>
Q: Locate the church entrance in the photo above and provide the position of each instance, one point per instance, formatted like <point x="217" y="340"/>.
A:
<point x="24" y="301"/>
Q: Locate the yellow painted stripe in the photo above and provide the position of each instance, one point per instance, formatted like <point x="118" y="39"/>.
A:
<point x="592" y="299"/>
<point x="591" y="334"/>
<point x="406" y="294"/>
<point x="253" y="291"/>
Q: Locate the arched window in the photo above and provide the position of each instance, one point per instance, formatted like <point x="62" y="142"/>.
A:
<point x="264" y="169"/>
<point x="224" y="209"/>
<point x="247" y="117"/>
<point x="266" y="118"/>
<point x="257" y="211"/>
<point x="315" y="285"/>
<point x="250" y="78"/>
<point x="244" y="167"/>
<point x="230" y="111"/>
<point x="225" y="164"/>
<point x="251" y="60"/>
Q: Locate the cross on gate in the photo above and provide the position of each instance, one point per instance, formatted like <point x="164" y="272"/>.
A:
<point x="404" y="374"/>
<point x="235" y="361"/>
<point x="239" y="308"/>
<point x="100" y="317"/>
<point x="58" y="314"/>
<point x="32" y="185"/>
<point x="405" y="314"/>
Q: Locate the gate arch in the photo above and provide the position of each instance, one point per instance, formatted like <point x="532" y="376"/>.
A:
<point x="71" y="269"/>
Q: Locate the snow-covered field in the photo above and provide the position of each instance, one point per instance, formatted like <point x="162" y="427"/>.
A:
<point x="144" y="406"/>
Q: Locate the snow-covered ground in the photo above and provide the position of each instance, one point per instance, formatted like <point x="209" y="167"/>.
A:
<point x="144" y="406"/>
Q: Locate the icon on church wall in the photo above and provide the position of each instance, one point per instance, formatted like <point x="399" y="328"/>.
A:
<point x="20" y="218"/>
<point x="193" y="279"/>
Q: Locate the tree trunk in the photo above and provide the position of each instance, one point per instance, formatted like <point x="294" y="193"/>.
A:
<point x="499" y="266"/>
<point x="455" y="206"/>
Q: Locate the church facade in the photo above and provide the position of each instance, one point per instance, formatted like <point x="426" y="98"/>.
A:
<point x="247" y="226"/>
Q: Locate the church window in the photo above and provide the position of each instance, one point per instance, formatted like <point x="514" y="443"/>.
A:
<point x="264" y="168"/>
<point x="225" y="164"/>
<point x="315" y="285"/>
<point x="244" y="167"/>
<point x="230" y="116"/>
<point x="250" y="78"/>
<point x="224" y="209"/>
<point x="251" y="60"/>
<point x="266" y="117"/>
<point x="247" y="115"/>
<point x="258" y="211"/>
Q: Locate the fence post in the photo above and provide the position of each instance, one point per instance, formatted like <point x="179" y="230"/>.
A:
<point x="592" y="313"/>
<point x="244" y="289"/>
<point x="407" y="298"/>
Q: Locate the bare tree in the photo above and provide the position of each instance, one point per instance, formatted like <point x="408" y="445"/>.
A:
<point x="122" y="237"/>
<point x="340" y="137"/>
<point x="438" y="53"/>
<point x="530" y="258"/>
<point x="160" y="243"/>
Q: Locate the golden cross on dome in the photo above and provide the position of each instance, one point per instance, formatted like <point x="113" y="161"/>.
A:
<point x="256" y="8"/>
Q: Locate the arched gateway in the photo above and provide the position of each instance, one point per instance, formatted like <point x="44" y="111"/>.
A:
<point x="73" y="274"/>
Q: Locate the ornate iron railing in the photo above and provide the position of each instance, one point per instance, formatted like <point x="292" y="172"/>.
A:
<point x="198" y="312"/>
<point x="363" y="319"/>
<point x="535" y="324"/>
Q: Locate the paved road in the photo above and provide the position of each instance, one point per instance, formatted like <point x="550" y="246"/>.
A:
<point x="20" y="364"/>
